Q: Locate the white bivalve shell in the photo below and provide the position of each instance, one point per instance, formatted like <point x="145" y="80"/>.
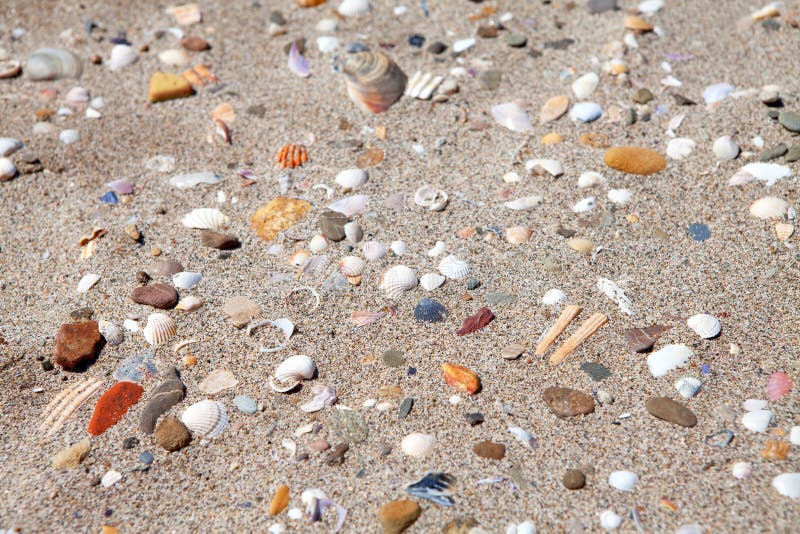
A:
<point x="397" y="280"/>
<point x="159" y="329"/>
<point x="350" y="179"/>
<point x="353" y="232"/>
<point x="524" y="203"/>
<point x="688" y="386"/>
<point x="206" y="418"/>
<point x="9" y="145"/>
<point x="110" y="332"/>
<point x="121" y="56"/>
<point x="205" y="219"/>
<point x="680" y="147"/>
<point x="584" y="86"/>
<point x="742" y="470"/>
<point x="704" y="325"/>
<point x="352" y="266"/>
<point x="431" y="281"/>
<point x="610" y="520"/>
<point x="299" y="367"/>
<point x="787" y="484"/>
<point x="768" y="208"/>
<point x="623" y="480"/>
<point x="668" y="358"/>
<point x="186" y="279"/>
<point x="550" y="166"/>
<point x="417" y="444"/>
<point x="87" y="282"/>
<point x="374" y="250"/>
<point x="353" y="8"/>
<point x="318" y="243"/>
<point x="454" y="267"/>
<point x="619" y="196"/>
<point x="437" y="249"/>
<point x="725" y="148"/>
<point x="430" y="198"/>
<point x="553" y="297"/>
<point x="399" y="248"/>
<point x="189" y="303"/>
<point x="757" y="420"/>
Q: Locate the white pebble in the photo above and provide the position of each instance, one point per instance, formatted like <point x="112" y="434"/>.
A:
<point x="609" y="520"/>
<point x="584" y="205"/>
<point x="619" y="196"/>
<point x="623" y="480"/>
<point x="69" y="136"/>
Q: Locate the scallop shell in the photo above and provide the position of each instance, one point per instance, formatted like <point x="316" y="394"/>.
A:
<point x="206" y="418"/>
<point x="189" y="303"/>
<point x="422" y="85"/>
<point x="300" y="258"/>
<point x="87" y="282"/>
<point x="704" y="325"/>
<point x="725" y="148"/>
<point x="52" y="64"/>
<point x="417" y="445"/>
<point x="121" y="56"/>
<point x="757" y="420"/>
<point x="590" y="179"/>
<point x="768" y="207"/>
<point x="216" y="381"/>
<point x="205" y="219"/>
<point x="688" y="386"/>
<point x="111" y="332"/>
<point x="778" y="385"/>
<point x="352" y="266"/>
<point x="784" y="231"/>
<point x="398" y="280"/>
<point x="430" y="198"/>
<point x="431" y="281"/>
<point x="623" y="480"/>
<point x="454" y="267"/>
<point x="399" y="248"/>
<point x="186" y="279"/>
<point x="374" y="250"/>
<point x="524" y="203"/>
<point x="159" y="329"/>
<point x="318" y="244"/>
<point x="299" y="367"/>
<point x="353" y="232"/>
<point x="374" y="82"/>
<point x="516" y="235"/>
<point x="742" y="470"/>
<point x="787" y="484"/>
<point x="429" y="311"/>
<point x="353" y="8"/>
<point x="350" y="179"/>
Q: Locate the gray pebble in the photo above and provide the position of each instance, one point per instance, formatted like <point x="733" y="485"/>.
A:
<point x="789" y="120"/>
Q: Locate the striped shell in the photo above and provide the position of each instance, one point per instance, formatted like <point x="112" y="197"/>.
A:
<point x="111" y="332"/>
<point x="350" y="179"/>
<point x="374" y="82"/>
<point x="205" y="219"/>
<point x="206" y="418"/>
<point x="431" y="281"/>
<point x="159" y="329"/>
<point x="52" y="64"/>
<point x="417" y="445"/>
<point x="784" y="231"/>
<point x="398" y="280"/>
<point x="352" y="266"/>
<point x="299" y="367"/>
<point x="429" y="311"/>
<point x="688" y="386"/>
<point x="374" y="250"/>
<point x="454" y="267"/>
<point x="291" y="156"/>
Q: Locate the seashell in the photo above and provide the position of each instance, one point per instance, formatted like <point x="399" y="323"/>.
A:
<point x="186" y="279"/>
<point x="174" y="57"/>
<point x="725" y="148"/>
<point x="398" y="280"/>
<point x="77" y="97"/>
<point x="110" y="332"/>
<point x="585" y="85"/>
<point x="297" y="63"/>
<point x="512" y="116"/>
<point x="350" y="206"/>
<point x="350" y="179"/>
<point x="524" y="203"/>
<point x="623" y="480"/>
<point x="431" y="281"/>
<point x="299" y="367"/>
<point x="300" y="258"/>
<point x="327" y="44"/>
<point x="553" y="296"/>
<point x="429" y="311"/>
<point x="206" y="418"/>
<point x="291" y="156"/>
<point x="353" y="232"/>
<point x="771" y="10"/>
<point x="768" y="208"/>
<point x="751" y="405"/>
<point x="122" y="56"/>
<point x="53" y="64"/>
<point x="554" y="108"/>
<point x="454" y="267"/>
<point x="205" y="219"/>
<point x="769" y="173"/>
<point x="318" y="243"/>
<point x="784" y="231"/>
<point x="584" y="205"/>
<point x="9" y="145"/>
<point x="561" y="324"/>
<point x="775" y="450"/>
<point x="583" y="333"/>
<point x="717" y="92"/>
<point x="187" y="181"/>
<point x="353" y="8"/>
<point x="787" y="484"/>
<point x="551" y="166"/>
<point x="422" y="85"/>
<point x="463" y="44"/>
<point x="365" y="317"/>
<point x="186" y="14"/>
<point x="352" y="266"/>
<point x="619" y="196"/>
<point x="742" y="470"/>
<point x="399" y="248"/>
<point x="189" y="303"/>
<point x="794" y="435"/>
<point x="757" y="420"/>
<point x="516" y="235"/>
<point x="430" y="198"/>
<point x="668" y="358"/>
<point x="87" y="282"/>
<point x="9" y="68"/>
<point x="110" y="478"/>
<point x="323" y="396"/>
<point x="610" y="520"/>
<point x="680" y="147"/>
<point x="122" y="187"/>
<point x="66" y="402"/>
<point x="585" y="112"/>
<point x="309" y="3"/>
<point x="246" y="404"/>
<point x="69" y="136"/>
<point x="688" y="386"/>
<point x="374" y="250"/>
<point x="437" y="249"/>
<point x="778" y="385"/>
<point x="434" y="487"/>
<point x="616" y="294"/>
<point x="590" y="179"/>
<point x="417" y="445"/>
<point x="704" y="325"/>
<point x="581" y="245"/>
<point x="130" y="325"/>
<point x="374" y="82"/>
<point x="159" y="329"/>
<point x="216" y="381"/>
<point x="282" y="387"/>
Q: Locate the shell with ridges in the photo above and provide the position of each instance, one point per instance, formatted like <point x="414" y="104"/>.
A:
<point x="205" y="219"/>
<point x="299" y="367"/>
<point x="516" y="235"/>
<point x="429" y="311"/>
<point x="431" y="281"/>
<point x="398" y="280"/>
<point x="52" y="64"/>
<point x="111" y="332"/>
<point x="353" y="8"/>
<point x="417" y="445"/>
<point x="784" y="231"/>
<point x="352" y="266"/>
<point x="206" y="418"/>
<point x="688" y="386"/>
<point x="374" y="250"/>
<point x="704" y="325"/>
<point x="374" y="82"/>
<point x="159" y="329"/>
<point x="453" y="267"/>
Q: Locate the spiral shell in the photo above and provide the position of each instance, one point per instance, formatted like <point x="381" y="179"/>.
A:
<point x="206" y="418"/>
<point x="374" y="82"/>
<point x="352" y="266"/>
<point x="299" y="367"/>
<point x="205" y="219"/>
<point x="52" y="64"/>
<point x="111" y="332"/>
<point x="454" y="267"/>
<point x="159" y="329"/>
<point x="398" y="280"/>
<point x="374" y="250"/>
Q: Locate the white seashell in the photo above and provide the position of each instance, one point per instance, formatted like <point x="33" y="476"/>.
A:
<point x="216" y="381"/>
<point x="742" y="470"/>
<point x="524" y="203"/>
<point x="130" y="325"/>
<point x="299" y="367"/>
<point x="174" y="57"/>
<point x="353" y="8"/>
<point x="323" y="396"/>
<point x="590" y="179"/>
<point x="159" y="329"/>
<point x="463" y="44"/>
<point x="189" y="303"/>
<point x="398" y="280"/>
<point x="794" y="435"/>
<point x="431" y="281"/>
<point x="92" y="113"/>
<point x="52" y="64"/>
<point x="610" y="520"/>
<point x="328" y="25"/>
<point x="717" y="92"/>
<point x="619" y="196"/>
<point x="725" y="148"/>
<point x="623" y="480"/>
<point x="511" y="177"/>
<point x="741" y="178"/>
<point x="187" y="181"/>
<point x="327" y="44"/>
<point x="87" y="282"/>
<point x="437" y="249"/>
<point x="751" y="405"/>
<point x="787" y="484"/>
<point x="282" y="387"/>
<point x="43" y="128"/>
<point x="688" y="386"/>
<point x="77" y="97"/>
<point x="585" y="112"/>
<point x="205" y="219"/>
<point x="111" y="332"/>
<point x="650" y="7"/>
<point x="768" y="208"/>
<point x="584" y="205"/>
<point x="773" y="9"/>
<point x="374" y="250"/>
<point x="630" y="41"/>
<point x="758" y="141"/>
<point x="186" y="279"/>
<point x="516" y="235"/>
<point x="353" y="232"/>
<point x="121" y="56"/>
<point x="110" y="478"/>
<point x="757" y="420"/>
<point x="585" y="85"/>
<point x="430" y="198"/>
<point x="511" y="116"/>
<point x="350" y="206"/>
<point x="352" y="266"/>
<point x="680" y="147"/>
<point x="318" y="244"/>
<point x="454" y="267"/>
<point x="9" y="145"/>
<point x="616" y="294"/>
<point x="769" y="173"/>
<point x="206" y="418"/>
<point x="704" y="325"/>
<point x="399" y="248"/>
<point x="668" y="358"/>
<point x="69" y="136"/>
<point x="526" y="527"/>
<point x="350" y="179"/>
<point x="551" y="166"/>
<point x="422" y="85"/>
<point x="553" y="297"/>
<point x="417" y="445"/>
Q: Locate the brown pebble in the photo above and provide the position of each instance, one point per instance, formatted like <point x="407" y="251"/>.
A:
<point x="161" y="296"/>
<point x="566" y="402"/>
<point x="490" y="450"/>
<point x="670" y="410"/>
<point x="280" y="501"/>
<point x="133" y="232"/>
<point x="172" y="435"/>
<point x="574" y="479"/>
<point x="195" y="43"/>
<point x="635" y="160"/>
<point x="219" y="241"/>
<point x="397" y="516"/>
<point x="487" y="32"/>
<point x="155" y="251"/>
<point x="77" y="345"/>
<point x="336" y="456"/>
<point x="319" y="445"/>
<point x="460" y="525"/>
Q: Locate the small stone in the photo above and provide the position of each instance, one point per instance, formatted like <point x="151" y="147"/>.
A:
<point x="574" y="479"/>
<point x="643" y="96"/>
<point x="219" y="241"/>
<point x="276" y="17"/>
<point x="490" y="450"/>
<point x="146" y="458"/>
<point x="77" y="345"/>
<point x="172" y="435"/>
<point x="393" y="358"/>
<point x="331" y="224"/>
<point x="474" y="419"/>
<point x="133" y="232"/>
<point x="416" y="40"/>
<point x="437" y="47"/>
<point x="473" y="283"/>
<point x="130" y="443"/>
<point x="773" y="114"/>
<point x="490" y="79"/>
<point x="160" y="296"/>
<point x="462" y="525"/>
<point x="319" y="445"/>
<point x="165" y="268"/>
<point x="635" y="160"/>
<point x="600" y="6"/>
<point x="195" y="43"/>
<point x="257" y="110"/>
<point x="142" y="277"/>
<point x="487" y="31"/>
<point x="566" y="402"/>
<point x="790" y="120"/>
<point x="566" y="232"/>
<point x="336" y="456"/>
<point x="698" y="231"/>
<point x="515" y="40"/>
<point x="47" y="366"/>
<point x="280" y="501"/>
<point x="80" y="314"/>
<point x="773" y="153"/>
<point x="793" y="154"/>
<point x="405" y="408"/>
<point x="241" y="310"/>
<point x="670" y="410"/>
<point x="112" y="406"/>
<point x="348" y="426"/>
<point x="397" y="516"/>
<point x="166" y="395"/>
<point x="156" y="251"/>
<point x="512" y="352"/>
<point x="681" y="100"/>
<point x="71" y="457"/>
<point x="167" y="86"/>
<point x="596" y="371"/>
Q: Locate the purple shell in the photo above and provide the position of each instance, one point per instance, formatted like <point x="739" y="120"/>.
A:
<point x="297" y="63"/>
<point x="123" y="187"/>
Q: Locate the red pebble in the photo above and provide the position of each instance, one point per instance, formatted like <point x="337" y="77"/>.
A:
<point x="113" y="405"/>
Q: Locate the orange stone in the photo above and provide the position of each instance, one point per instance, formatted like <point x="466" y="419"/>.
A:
<point x="635" y="160"/>
<point x="280" y="501"/>
<point x="277" y="215"/>
<point x="461" y="378"/>
<point x="113" y="405"/>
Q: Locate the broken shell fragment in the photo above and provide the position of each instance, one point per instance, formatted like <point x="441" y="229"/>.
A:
<point x="512" y="116"/>
<point x="554" y="108"/>
<point x="291" y="156"/>
<point x="431" y="281"/>
<point x="668" y="358"/>
<point x="688" y="386"/>
<point x="561" y="324"/>
<point x="374" y="82"/>
<point x="583" y="333"/>
<point x="430" y="198"/>
<point x="516" y="235"/>
<point x="53" y="64"/>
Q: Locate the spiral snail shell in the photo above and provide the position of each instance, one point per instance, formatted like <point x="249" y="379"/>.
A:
<point x="374" y="82"/>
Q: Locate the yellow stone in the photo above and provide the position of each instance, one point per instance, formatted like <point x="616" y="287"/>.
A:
<point x="635" y="160"/>
<point x="552" y="138"/>
<point x="166" y="86"/>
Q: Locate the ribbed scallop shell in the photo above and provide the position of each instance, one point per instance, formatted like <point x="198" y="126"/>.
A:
<point x="350" y="179"/>
<point x="705" y="325"/>
<point x="429" y="311"/>
<point x="52" y="64"/>
<point x="206" y="418"/>
<point x="205" y="219"/>
<point x="417" y="444"/>
<point x="688" y="386"/>
<point x="374" y="250"/>
<point x="398" y="280"/>
<point x="454" y="267"/>
<point x="374" y="82"/>
<point x="431" y="281"/>
<point x="784" y="231"/>
<point x="353" y="8"/>
<point x="111" y="332"/>
<point x="352" y="266"/>
<point x="299" y="367"/>
<point x="430" y="198"/>
<point x="159" y="329"/>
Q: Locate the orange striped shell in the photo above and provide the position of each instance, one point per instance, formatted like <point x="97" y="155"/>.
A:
<point x="291" y="156"/>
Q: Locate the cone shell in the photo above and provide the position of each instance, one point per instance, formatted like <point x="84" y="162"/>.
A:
<point x="374" y="250"/>
<point x="454" y="267"/>
<point x="398" y="280"/>
<point x="206" y="418"/>
<point x="374" y="82"/>
<point x="52" y="64"/>
<point x="417" y="444"/>
<point x="205" y="219"/>
<point x="159" y="329"/>
<point x="299" y="367"/>
<point x="111" y="332"/>
<point x="352" y="266"/>
<point x="431" y="281"/>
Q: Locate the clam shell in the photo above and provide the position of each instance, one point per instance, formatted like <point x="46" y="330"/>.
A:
<point x="205" y="219"/>
<point x="187" y="181"/>
<point x="550" y="166"/>
<point x="353" y="8"/>
<point x="282" y="387"/>
<point x="623" y="480"/>
<point x="769" y="173"/>
<point x="680" y="147"/>
<point x="725" y="148"/>
<point x="350" y="206"/>
<point x="430" y="198"/>
<point x="186" y="279"/>
<point x="52" y="64"/>
<point x="111" y="332"/>
<point x="704" y="325"/>
<point x="216" y="381"/>
<point x="610" y="520"/>
<point x="422" y="85"/>
<point x="768" y="208"/>
<point x="159" y="329"/>
<point x="668" y="358"/>
<point x="585" y="85"/>
<point x="554" y="108"/>
<point x="688" y="386"/>
<point x="524" y="203"/>
<point x="619" y="196"/>
<point x="374" y="250"/>
<point x="9" y="145"/>
<point x="590" y="179"/>
<point x="206" y="418"/>
<point x="398" y="280"/>
<point x="757" y="420"/>
<point x="352" y="266"/>
<point x="318" y="243"/>
<point x="189" y="303"/>
<point x="787" y="484"/>
<point x="299" y="367"/>
<point x="742" y="470"/>
<point x="121" y="56"/>
<point x="454" y="267"/>
<point x="431" y="281"/>
<point x="87" y="282"/>
<point x="417" y="444"/>
<point x="784" y="231"/>
<point x="516" y="235"/>
<point x="553" y="297"/>
<point x="77" y="97"/>
<point x="374" y="82"/>
<point x="399" y="248"/>
<point x="300" y="258"/>
<point x="9" y="68"/>
<point x="350" y="179"/>
<point x="246" y="404"/>
<point x="353" y="232"/>
<point x="429" y="311"/>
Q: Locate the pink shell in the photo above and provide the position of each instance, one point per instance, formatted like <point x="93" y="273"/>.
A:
<point x="779" y="384"/>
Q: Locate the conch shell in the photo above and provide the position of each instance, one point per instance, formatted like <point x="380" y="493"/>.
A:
<point x="374" y="82"/>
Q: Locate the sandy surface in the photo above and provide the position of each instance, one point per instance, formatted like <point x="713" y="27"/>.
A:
<point x="741" y="274"/>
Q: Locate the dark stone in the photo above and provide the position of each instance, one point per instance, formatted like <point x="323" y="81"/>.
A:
<point x="643" y="96"/>
<point x="565" y="232"/>
<point x="566" y="402"/>
<point x="300" y="42"/>
<point x="474" y="419"/>
<point x="698" y="231"/>
<point x="671" y="411"/>
<point x="574" y="479"/>
<point x="487" y="31"/>
<point x="276" y="17"/>
<point x="773" y="152"/>
<point x="77" y="345"/>
<point x="437" y="47"/>
<point x="331" y="224"/>
<point x="773" y="114"/>
<point x="129" y="443"/>
<point x="473" y="283"/>
<point x="172" y="435"/>
<point x="336" y="456"/>
<point x="219" y="241"/>
<point x="601" y="6"/>
<point x="682" y="100"/>
<point x="168" y="393"/>
<point x="161" y="296"/>
<point x="142" y="277"/>
<point x="561" y="44"/>
<point x="789" y="120"/>
<point x="405" y="408"/>
<point x="793" y="154"/>
<point x="596" y="371"/>
<point x="416" y="40"/>
<point x="47" y="365"/>
<point x="81" y="313"/>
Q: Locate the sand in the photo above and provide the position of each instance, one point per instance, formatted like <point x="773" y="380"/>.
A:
<point x="741" y="274"/>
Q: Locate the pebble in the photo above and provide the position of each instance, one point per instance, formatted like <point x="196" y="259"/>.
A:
<point x="643" y="96"/>
<point x="601" y="6"/>
<point x="635" y="160"/>
<point x="512" y="352"/>
<point x="77" y="345"/>
<point x="405" y="408"/>
<point x="773" y="152"/>
<point x="336" y="455"/>
<point x="573" y="479"/>
<point x="490" y="79"/>
<point x="585" y="112"/>
<point x="332" y="223"/>
<point x="474" y="419"/>
<point x="416" y="40"/>
<point x="159" y="295"/>
<point x="72" y="456"/>
<point x="69" y="136"/>
<point x="172" y="435"/>
<point x="437" y="47"/>
<point x="473" y="283"/>
<point x="195" y="43"/>
<point x="393" y="358"/>
<point x="516" y="40"/>
<point x="790" y="120"/>
<point x="165" y="268"/>
<point x="487" y="31"/>
<point x="462" y="525"/>
<point x="146" y="458"/>
<point x="489" y="450"/>
<point x="348" y="426"/>
<point x="698" y="231"/>
<point x="397" y="516"/>
<point x="319" y="445"/>
<point x="670" y="410"/>
<point x="167" y="394"/>
<point x="130" y="443"/>
<point x="596" y="371"/>
<point x="793" y="154"/>
<point x="280" y="501"/>
<point x="112" y="406"/>
<point x="566" y="402"/>
<point x="219" y="241"/>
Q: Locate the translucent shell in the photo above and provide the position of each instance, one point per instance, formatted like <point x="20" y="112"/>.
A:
<point x="206" y="418"/>
<point x="159" y="329"/>
<point x="374" y="82"/>
<point x="397" y="280"/>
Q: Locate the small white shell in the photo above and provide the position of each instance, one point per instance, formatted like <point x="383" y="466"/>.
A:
<point x="398" y="280"/>
<point x="742" y="470"/>
<point x="327" y="43"/>
<point x="205" y="219"/>
<point x="585" y="85"/>
<point x="610" y="520"/>
<point x="431" y="281"/>
<point x="9" y="145"/>
<point x="111" y="332"/>
<point x="619" y="196"/>
<point x="430" y="198"/>
<point x="751" y="405"/>
<point x="794" y="435"/>
<point x="353" y="232"/>
<point x="206" y="418"/>
<point x="584" y="205"/>
<point x="725" y="148"/>
<point x="586" y="112"/>
<point x="186" y="279"/>
<point x="590" y="179"/>
<point x="174" y="57"/>
<point x="350" y="206"/>
<point x="69" y="136"/>
<point x="623" y="480"/>
<point x="509" y="114"/>
<point x="524" y="203"/>
<point x="769" y="173"/>
<point x="350" y="179"/>
<point x="668" y="358"/>
<point x="768" y="207"/>
<point x="417" y="445"/>
<point x="680" y="147"/>
<point x="399" y="248"/>
<point x="318" y="244"/>
<point x="189" y="303"/>
<point x="352" y="266"/>
<point x="454" y="267"/>
<point x="159" y="329"/>
<point x="704" y="325"/>
<point x="77" y="97"/>
<point x="87" y="282"/>
<point x="374" y="250"/>
<point x="553" y="297"/>
<point x="130" y="325"/>
<point x="688" y="386"/>
<point x="121" y="56"/>
<point x="353" y="8"/>
<point x="299" y="367"/>
<point x="550" y="166"/>
<point x="757" y="420"/>
<point x="110" y="478"/>
<point x="437" y="249"/>
<point x="787" y="484"/>
<point x="216" y="381"/>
